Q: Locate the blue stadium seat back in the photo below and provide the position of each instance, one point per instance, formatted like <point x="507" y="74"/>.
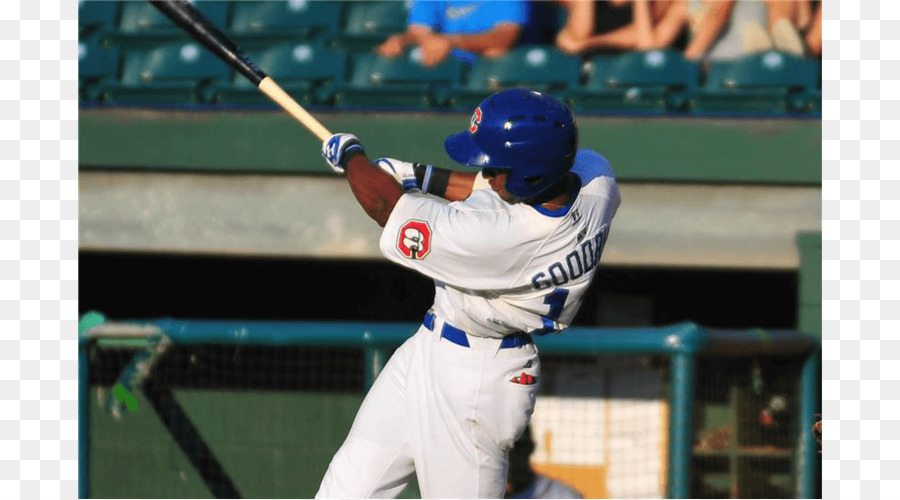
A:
<point x="639" y="82"/>
<point x="654" y="68"/>
<point x="309" y="72"/>
<point x="96" y="15"/>
<point x="372" y="70"/>
<point x="766" y="70"/>
<point x="301" y="61"/>
<point x="540" y="67"/>
<point x="715" y="74"/>
<point x="98" y="66"/>
<point x="96" y="60"/>
<point x="768" y="83"/>
<point x="369" y="22"/>
<point x="186" y="62"/>
<point x="401" y="83"/>
<point x="812" y="101"/>
<point x="143" y="18"/>
<point x="378" y="18"/>
<point x="295" y="18"/>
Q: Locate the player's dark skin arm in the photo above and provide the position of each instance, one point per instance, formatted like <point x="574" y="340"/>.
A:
<point x="448" y="184"/>
<point x="460" y="186"/>
<point x="376" y="191"/>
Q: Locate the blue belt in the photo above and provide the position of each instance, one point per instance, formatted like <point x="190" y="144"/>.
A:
<point x="459" y="337"/>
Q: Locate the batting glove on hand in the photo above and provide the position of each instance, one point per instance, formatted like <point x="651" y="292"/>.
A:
<point x="335" y="150"/>
<point x="403" y="171"/>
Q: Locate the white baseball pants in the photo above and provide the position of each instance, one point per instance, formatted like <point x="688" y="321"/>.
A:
<point x="448" y="414"/>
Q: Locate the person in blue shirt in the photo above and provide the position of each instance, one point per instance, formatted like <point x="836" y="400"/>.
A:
<point x="463" y="29"/>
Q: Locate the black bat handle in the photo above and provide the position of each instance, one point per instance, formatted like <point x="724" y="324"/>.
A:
<point x="191" y="20"/>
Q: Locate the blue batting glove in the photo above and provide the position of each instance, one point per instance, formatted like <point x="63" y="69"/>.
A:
<point x="335" y="150"/>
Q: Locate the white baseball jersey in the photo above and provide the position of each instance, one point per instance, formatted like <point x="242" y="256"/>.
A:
<point x="501" y="268"/>
<point x="446" y="411"/>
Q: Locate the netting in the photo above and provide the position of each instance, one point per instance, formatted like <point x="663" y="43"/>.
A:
<point x="229" y="420"/>
<point x="746" y="427"/>
<point x="221" y="421"/>
<point x="600" y="424"/>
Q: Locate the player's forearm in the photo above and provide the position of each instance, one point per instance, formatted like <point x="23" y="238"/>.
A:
<point x="376" y="191"/>
<point x="448" y="184"/>
<point x="460" y="186"/>
<point x="497" y="40"/>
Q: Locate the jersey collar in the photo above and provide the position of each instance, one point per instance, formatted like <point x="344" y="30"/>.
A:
<point x="561" y="211"/>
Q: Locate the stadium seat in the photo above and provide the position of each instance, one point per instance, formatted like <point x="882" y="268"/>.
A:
<point x="172" y="73"/>
<point x="142" y="25"/>
<point x="370" y="22"/>
<point x="96" y="15"/>
<point x="769" y="82"/>
<point x="98" y="64"/>
<point x="655" y="81"/>
<point x="536" y="67"/>
<point x="252" y="21"/>
<point x="310" y="73"/>
<point x="397" y="83"/>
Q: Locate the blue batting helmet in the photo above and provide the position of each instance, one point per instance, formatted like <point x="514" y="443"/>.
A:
<point x="526" y="133"/>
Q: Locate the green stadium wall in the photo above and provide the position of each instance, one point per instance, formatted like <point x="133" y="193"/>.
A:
<point x="768" y="151"/>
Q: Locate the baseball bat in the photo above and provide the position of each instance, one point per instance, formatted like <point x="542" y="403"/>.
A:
<point x="198" y="27"/>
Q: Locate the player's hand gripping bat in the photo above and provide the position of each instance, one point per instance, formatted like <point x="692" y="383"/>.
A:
<point x="195" y="24"/>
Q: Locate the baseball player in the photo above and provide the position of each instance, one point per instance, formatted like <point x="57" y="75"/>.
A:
<point x="512" y="248"/>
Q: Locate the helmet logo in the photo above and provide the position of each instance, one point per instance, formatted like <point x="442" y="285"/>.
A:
<point x="414" y="240"/>
<point x="475" y="121"/>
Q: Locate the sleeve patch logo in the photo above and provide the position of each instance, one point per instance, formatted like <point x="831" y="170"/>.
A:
<point x="475" y="121"/>
<point x="414" y="240"/>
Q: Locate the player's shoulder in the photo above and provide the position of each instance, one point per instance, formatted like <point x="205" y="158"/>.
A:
<point x="483" y="199"/>
<point x="485" y="209"/>
<point x="590" y="165"/>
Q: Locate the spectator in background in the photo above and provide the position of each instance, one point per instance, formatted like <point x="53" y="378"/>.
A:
<point x="636" y="25"/>
<point x="703" y="29"/>
<point x="713" y="32"/>
<point x="523" y="482"/>
<point x="463" y="29"/>
<point x="796" y="26"/>
<point x="787" y="19"/>
<point x="813" y="36"/>
<point x="735" y="28"/>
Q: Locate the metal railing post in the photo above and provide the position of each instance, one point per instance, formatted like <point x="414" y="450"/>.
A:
<point x="86" y="322"/>
<point x="807" y="451"/>
<point x="681" y="427"/>
<point x="84" y="418"/>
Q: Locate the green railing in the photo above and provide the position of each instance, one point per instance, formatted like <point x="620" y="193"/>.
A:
<point x="684" y="343"/>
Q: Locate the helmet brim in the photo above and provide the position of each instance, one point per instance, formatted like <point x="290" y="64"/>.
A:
<point x="463" y="149"/>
